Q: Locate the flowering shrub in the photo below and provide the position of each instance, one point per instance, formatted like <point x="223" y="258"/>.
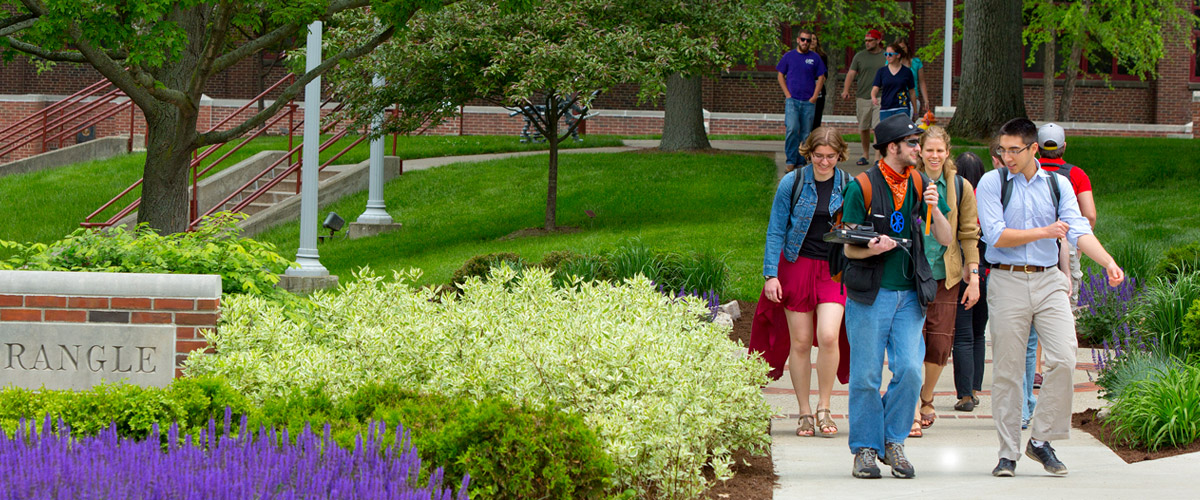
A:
<point x="55" y="465"/>
<point x="1104" y="307"/>
<point x="665" y="391"/>
<point x="1161" y="312"/>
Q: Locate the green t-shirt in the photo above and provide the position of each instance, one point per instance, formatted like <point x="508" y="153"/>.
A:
<point x="936" y="252"/>
<point x="897" y="270"/>
<point x="866" y="64"/>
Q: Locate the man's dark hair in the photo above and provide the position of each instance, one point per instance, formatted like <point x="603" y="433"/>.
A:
<point x="1022" y="127"/>
<point x="1052" y="154"/>
<point x="882" y="148"/>
<point x="970" y="167"/>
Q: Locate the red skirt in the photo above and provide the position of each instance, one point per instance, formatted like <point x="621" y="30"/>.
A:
<point x="769" y="336"/>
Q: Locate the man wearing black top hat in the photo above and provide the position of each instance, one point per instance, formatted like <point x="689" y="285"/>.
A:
<point x="887" y="287"/>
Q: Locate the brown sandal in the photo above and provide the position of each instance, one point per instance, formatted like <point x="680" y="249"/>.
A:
<point x="825" y="421"/>
<point x="927" y="418"/>
<point x="916" y="431"/>
<point x="805" y="426"/>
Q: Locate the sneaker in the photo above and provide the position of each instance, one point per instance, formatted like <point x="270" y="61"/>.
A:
<point x="1045" y="455"/>
<point x="1037" y="381"/>
<point x="893" y="455"/>
<point x="1006" y="468"/>
<point x="864" y="464"/>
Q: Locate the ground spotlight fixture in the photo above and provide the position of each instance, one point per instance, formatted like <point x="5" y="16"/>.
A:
<point x="333" y="223"/>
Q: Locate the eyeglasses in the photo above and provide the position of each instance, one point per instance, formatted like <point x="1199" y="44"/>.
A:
<point x="802" y="39"/>
<point x="890" y="54"/>
<point x="913" y="143"/>
<point x="999" y="151"/>
<point x="820" y="157"/>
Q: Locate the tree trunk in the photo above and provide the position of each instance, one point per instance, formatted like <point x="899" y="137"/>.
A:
<point x="683" y="121"/>
<point x="1048" y="65"/>
<point x="552" y="177"/>
<point x="1072" y="70"/>
<point x="991" y="92"/>
<point x="166" y="178"/>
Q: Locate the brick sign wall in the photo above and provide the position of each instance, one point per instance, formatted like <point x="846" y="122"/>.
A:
<point x="63" y="330"/>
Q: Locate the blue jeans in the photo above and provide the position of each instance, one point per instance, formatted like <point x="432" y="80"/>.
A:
<point x="797" y="122"/>
<point x="885" y="114"/>
<point x="892" y="324"/>
<point x="1030" y="369"/>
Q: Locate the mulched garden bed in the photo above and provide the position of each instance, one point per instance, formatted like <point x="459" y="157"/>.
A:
<point x="1086" y="420"/>
<point x="741" y="327"/>
<point x="755" y="481"/>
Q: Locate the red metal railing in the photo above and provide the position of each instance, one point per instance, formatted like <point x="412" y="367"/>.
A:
<point x="55" y="123"/>
<point x="199" y="157"/>
<point x="258" y="186"/>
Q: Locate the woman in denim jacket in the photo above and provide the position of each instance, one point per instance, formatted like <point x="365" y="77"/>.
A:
<point x="799" y="297"/>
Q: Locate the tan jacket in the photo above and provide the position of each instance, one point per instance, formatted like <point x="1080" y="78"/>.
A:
<point x="964" y="221"/>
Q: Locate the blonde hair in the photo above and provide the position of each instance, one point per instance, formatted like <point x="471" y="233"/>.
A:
<point x="824" y="136"/>
<point x="939" y="133"/>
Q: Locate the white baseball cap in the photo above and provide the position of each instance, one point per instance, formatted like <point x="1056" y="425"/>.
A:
<point x="1051" y="136"/>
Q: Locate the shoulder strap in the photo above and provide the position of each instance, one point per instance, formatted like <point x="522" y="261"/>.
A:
<point x="1055" y="194"/>
<point x="1005" y="190"/>
<point x="795" y="189"/>
<point x="864" y="182"/>
<point x="958" y="187"/>
<point x="1065" y="170"/>
<point x="918" y="181"/>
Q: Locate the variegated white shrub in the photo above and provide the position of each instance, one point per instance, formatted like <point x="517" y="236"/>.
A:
<point x="664" y="390"/>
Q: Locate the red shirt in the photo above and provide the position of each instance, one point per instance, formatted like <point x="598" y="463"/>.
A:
<point x="1079" y="179"/>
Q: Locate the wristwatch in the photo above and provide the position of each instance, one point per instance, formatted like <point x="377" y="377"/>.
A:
<point x="767" y="278"/>
<point x="975" y="271"/>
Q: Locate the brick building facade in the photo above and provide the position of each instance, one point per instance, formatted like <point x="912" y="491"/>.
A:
<point x="746" y="100"/>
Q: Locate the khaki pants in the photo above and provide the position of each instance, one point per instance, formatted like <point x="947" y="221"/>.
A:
<point x="1015" y="301"/>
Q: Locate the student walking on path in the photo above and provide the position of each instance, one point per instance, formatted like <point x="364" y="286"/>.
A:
<point x="1023" y="211"/>
<point x="865" y="64"/>
<point x="954" y="266"/>
<point x="970" y="344"/>
<point x="887" y="289"/>
<point x="892" y="88"/>
<point x="800" y="303"/>
<point x="801" y="76"/>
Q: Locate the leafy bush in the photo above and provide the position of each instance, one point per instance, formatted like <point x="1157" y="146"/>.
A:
<point x="133" y="410"/>
<point x="664" y="391"/>
<point x="1178" y="261"/>
<point x="1161" y="309"/>
<point x="245" y="265"/>
<point x="1105" y="307"/>
<point x="1161" y="411"/>
<point x="479" y="265"/>
<point x="1191" y="329"/>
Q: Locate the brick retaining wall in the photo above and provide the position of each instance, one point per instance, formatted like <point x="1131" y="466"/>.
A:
<point x="190" y="304"/>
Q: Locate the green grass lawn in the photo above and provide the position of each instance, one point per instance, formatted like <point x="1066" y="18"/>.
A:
<point x="45" y="206"/>
<point x="679" y="202"/>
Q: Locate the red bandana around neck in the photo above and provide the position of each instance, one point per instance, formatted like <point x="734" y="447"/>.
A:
<point x="897" y="182"/>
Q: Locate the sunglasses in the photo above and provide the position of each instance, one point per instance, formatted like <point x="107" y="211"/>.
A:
<point x="913" y="143"/>
<point x="890" y="54"/>
<point x="802" y="39"/>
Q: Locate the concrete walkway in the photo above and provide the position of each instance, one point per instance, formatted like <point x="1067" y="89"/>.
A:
<point x="955" y="457"/>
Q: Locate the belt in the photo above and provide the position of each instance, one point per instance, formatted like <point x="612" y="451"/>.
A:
<point x="1026" y="269"/>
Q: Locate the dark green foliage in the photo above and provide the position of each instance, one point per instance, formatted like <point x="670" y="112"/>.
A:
<point x="1190" y="334"/>
<point x="134" y="409"/>
<point x="1134" y="365"/>
<point x="1161" y="310"/>
<point x="567" y="264"/>
<point x="479" y="265"/>
<point x="245" y="265"/>
<point x="1179" y="260"/>
<point x="1161" y="411"/>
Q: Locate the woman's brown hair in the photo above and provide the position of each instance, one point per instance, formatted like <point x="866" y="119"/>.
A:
<point x="824" y="136"/>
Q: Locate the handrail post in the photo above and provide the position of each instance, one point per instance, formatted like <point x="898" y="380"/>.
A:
<point x="195" y="199"/>
<point x="44" y="131"/>
<point x="129" y="146"/>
